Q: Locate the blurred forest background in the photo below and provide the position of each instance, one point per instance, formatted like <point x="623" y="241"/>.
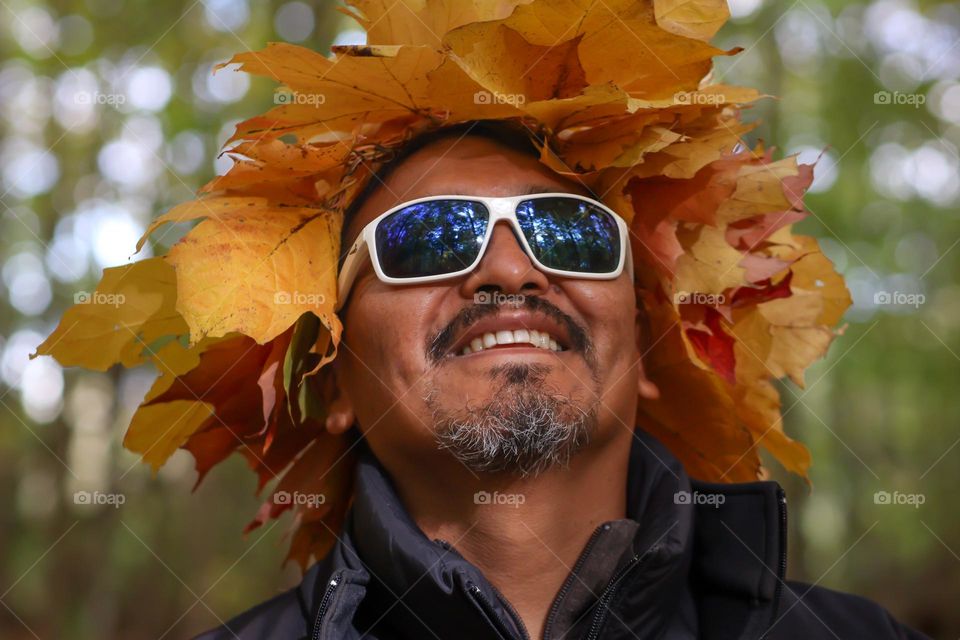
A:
<point x="109" y="115"/>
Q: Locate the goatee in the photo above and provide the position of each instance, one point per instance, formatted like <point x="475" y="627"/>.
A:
<point x="524" y="429"/>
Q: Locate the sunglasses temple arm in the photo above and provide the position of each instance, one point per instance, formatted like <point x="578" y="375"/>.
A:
<point x="351" y="267"/>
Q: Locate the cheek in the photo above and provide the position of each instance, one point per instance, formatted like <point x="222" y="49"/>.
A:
<point x="383" y="369"/>
<point x="609" y="313"/>
<point x="384" y="343"/>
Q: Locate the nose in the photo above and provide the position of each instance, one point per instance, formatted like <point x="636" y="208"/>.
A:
<point x="505" y="268"/>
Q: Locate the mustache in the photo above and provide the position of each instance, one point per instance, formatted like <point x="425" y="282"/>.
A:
<point x="440" y="344"/>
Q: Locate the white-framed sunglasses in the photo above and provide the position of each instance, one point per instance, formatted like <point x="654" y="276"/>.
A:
<point x="445" y="236"/>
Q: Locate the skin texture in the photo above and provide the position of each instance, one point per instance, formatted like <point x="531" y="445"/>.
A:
<point x="391" y="387"/>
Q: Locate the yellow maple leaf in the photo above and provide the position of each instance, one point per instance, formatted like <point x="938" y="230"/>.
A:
<point x="253" y="268"/>
<point x="133" y="306"/>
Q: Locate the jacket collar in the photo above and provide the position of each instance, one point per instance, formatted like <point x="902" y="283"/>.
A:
<point x="729" y="538"/>
<point x="740" y="558"/>
<point x="404" y="563"/>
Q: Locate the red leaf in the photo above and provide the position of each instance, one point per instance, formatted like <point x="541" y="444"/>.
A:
<point x="746" y="296"/>
<point x="714" y="347"/>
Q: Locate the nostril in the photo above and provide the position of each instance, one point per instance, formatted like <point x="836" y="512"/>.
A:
<point x="486" y="294"/>
<point x="530" y="286"/>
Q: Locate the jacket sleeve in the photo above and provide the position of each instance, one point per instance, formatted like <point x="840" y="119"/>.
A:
<point x="816" y="612"/>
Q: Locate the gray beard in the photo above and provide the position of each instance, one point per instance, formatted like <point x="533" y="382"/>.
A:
<point x="524" y="430"/>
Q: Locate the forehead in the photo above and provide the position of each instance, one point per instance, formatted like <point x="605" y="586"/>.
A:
<point x="470" y="165"/>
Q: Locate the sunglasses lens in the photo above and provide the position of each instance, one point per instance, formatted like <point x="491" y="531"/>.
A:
<point x="431" y="238"/>
<point x="570" y="234"/>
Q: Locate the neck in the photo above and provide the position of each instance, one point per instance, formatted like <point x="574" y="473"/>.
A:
<point x="524" y="534"/>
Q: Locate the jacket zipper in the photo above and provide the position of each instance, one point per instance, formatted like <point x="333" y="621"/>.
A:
<point x="602" y="606"/>
<point x="325" y="603"/>
<point x="782" y="509"/>
<point x="501" y="626"/>
<point x="487" y="605"/>
<point x="513" y="612"/>
<point x="555" y="608"/>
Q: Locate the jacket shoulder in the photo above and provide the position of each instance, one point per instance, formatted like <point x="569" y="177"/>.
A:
<point x="816" y="612"/>
<point x="284" y="616"/>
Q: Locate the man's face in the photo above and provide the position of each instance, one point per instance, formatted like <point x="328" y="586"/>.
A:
<point x="510" y="407"/>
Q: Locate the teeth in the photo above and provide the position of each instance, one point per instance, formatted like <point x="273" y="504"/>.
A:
<point x="540" y="339"/>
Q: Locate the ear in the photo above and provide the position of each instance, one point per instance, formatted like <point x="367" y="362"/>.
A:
<point x="340" y="415"/>
<point x="645" y="387"/>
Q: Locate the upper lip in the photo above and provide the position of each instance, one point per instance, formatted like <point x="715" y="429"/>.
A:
<point x="511" y="320"/>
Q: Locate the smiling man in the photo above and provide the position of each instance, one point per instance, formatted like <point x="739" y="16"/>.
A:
<point x="490" y="375"/>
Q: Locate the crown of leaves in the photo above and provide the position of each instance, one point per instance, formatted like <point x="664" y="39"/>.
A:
<point x="237" y="316"/>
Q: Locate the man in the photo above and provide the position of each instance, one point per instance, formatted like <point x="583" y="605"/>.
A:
<point x="503" y="490"/>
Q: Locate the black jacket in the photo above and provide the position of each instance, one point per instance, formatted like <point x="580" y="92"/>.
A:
<point x="691" y="560"/>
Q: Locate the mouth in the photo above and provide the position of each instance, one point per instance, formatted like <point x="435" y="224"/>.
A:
<point x="511" y="339"/>
<point x="512" y="332"/>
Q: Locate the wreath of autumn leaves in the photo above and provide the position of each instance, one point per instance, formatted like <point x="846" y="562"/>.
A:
<point x="238" y="316"/>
